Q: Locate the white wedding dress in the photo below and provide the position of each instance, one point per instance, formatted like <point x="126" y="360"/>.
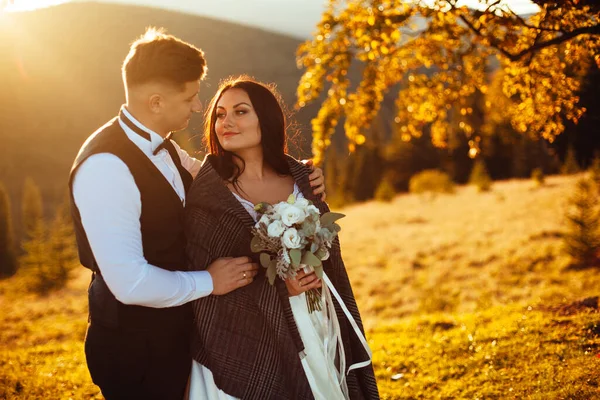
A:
<point x="321" y="339"/>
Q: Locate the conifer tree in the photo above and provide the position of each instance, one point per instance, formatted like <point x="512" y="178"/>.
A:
<point x="62" y="250"/>
<point x="570" y="166"/>
<point x="595" y="171"/>
<point x="480" y="177"/>
<point x="32" y="208"/>
<point x="8" y="262"/>
<point x="385" y="191"/>
<point x="582" y="240"/>
<point x="36" y="258"/>
<point x="50" y="254"/>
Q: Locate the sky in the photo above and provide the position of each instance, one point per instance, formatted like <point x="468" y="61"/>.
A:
<point x="293" y="17"/>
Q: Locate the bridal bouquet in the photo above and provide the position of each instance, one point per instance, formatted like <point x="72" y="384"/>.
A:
<point x="293" y="235"/>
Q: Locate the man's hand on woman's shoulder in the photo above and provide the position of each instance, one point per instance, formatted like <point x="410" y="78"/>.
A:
<point x="230" y="273"/>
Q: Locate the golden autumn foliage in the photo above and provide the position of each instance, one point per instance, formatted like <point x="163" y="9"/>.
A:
<point x="437" y="54"/>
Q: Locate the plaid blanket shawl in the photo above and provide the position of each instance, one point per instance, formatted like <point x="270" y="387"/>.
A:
<point x="248" y="338"/>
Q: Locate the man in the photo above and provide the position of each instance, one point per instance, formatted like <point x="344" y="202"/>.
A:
<point x="127" y="188"/>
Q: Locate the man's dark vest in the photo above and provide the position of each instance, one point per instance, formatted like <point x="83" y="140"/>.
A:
<point x="162" y="231"/>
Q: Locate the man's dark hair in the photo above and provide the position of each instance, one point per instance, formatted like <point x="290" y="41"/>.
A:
<point x="159" y="57"/>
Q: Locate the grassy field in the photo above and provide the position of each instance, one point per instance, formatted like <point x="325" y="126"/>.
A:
<point x="464" y="296"/>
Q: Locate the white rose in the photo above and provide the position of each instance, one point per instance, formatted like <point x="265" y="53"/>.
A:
<point x="291" y="215"/>
<point x="313" y="209"/>
<point x="264" y="220"/>
<point x="291" y="239"/>
<point x="278" y="209"/>
<point x="275" y="229"/>
<point x="301" y="203"/>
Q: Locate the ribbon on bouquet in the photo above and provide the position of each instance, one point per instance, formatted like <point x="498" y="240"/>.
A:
<point x="361" y="337"/>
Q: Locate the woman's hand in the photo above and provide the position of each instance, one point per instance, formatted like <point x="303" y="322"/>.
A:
<point x="302" y="283"/>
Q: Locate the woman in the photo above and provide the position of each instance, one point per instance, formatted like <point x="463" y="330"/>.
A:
<point x="260" y="342"/>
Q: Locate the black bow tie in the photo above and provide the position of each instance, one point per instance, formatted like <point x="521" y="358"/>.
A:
<point x="144" y="134"/>
<point x="166" y="142"/>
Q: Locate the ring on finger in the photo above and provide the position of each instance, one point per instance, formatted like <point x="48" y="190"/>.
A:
<point x="244" y="274"/>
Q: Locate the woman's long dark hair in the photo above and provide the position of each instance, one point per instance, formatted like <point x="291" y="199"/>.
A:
<point x="272" y="121"/>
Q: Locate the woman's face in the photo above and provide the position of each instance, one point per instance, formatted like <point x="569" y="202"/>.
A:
<point x="237" y="124"/>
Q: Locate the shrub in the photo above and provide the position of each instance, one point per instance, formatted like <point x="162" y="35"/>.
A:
<point x="385" y="191"/>
<point x="570" y="166"/>
<point x="538" y="176"/>
<point x="432" y="181"/>
<point x="480" y="176"/>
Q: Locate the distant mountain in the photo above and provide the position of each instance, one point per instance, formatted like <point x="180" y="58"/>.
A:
<point x="60" y="79"/>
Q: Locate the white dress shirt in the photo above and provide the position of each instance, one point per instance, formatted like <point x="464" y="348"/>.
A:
<point x="109" y="203"/>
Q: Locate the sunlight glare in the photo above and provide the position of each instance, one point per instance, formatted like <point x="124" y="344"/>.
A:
<point x="28" y="5"/>
<point x="521" y="7"/>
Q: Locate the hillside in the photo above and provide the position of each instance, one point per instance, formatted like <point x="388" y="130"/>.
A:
<point x="462" y="252"/>
<point x="60" y="79"/>
<point x="464" y="296"/>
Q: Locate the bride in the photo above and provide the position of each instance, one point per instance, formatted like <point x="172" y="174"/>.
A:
<point x="260" y="342"/>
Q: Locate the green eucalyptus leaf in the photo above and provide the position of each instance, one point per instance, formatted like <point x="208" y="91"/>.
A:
<point x="336" y="227"/>
<point x="265" y="260"/>
<point x="272" y="273"/>
<point x="309" y="228"/>
<point x="310" y="259"/>
<point x="295" y="256"/>
<point x="330" y="217"/>
<point x="319" y="271"/>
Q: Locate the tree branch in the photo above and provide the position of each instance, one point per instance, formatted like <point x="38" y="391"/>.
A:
<point x="565" y="36"/>
<point x="524" y="23"/>
<point x="588" y="30"/>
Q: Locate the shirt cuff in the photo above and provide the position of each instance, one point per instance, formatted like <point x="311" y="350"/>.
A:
<point x="203" y="284"/>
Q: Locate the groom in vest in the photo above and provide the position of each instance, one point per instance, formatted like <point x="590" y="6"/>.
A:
<point x="128" y="186"/>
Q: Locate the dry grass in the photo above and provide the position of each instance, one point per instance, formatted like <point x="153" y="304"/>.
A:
<point x="41" y="342"/>
<point x="463" y="252"/>
<point x="463" y="296"/>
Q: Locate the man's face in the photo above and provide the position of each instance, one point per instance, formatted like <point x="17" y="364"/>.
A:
<point x="178" y="106"/>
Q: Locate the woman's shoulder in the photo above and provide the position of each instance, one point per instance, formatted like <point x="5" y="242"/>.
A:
<point x="208" y="165"/>
<point x="297" y="168"/>
<point x="300" y="173"/>
<point x="207" y="183"/>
